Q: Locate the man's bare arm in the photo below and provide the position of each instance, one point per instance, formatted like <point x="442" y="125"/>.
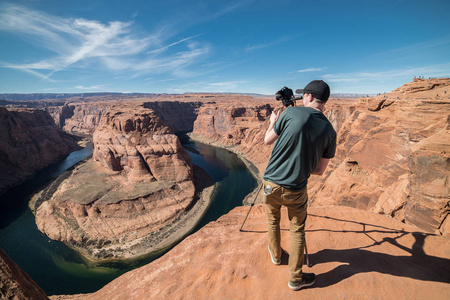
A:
<point x="271" y="136"/>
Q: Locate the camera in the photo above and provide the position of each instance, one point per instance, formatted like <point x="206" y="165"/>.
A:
<point x="286" y="96"/>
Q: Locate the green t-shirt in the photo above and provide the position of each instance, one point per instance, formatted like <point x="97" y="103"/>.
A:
<point x="304" y="136"/>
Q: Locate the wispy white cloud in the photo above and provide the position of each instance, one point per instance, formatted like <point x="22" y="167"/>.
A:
<point x="309" y="70"/>
<point x="81" y="43"/>
<point x="225" y="86"/>
<point x="175" y="64"/>
<point x="416" y="47"/>
<point x="27" y="69"/>
<point x="90" y="88"/>
<point x="440" y="70"/>
<point x="160" y="50"/>
<point x="230" y="7"/>
<point x="266" y="45"/>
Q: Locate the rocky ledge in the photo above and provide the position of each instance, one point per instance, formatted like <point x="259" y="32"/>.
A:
<point x="354" y="254"/>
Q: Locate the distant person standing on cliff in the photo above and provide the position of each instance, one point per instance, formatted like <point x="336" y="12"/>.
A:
<point x="305" y="141"/>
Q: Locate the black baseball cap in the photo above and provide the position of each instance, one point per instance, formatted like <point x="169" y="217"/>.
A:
<point x="318" y="88"/>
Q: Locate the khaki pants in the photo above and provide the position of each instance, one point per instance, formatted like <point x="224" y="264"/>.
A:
<point x="296" y="203"/>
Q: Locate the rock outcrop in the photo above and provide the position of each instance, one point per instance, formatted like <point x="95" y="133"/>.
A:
<point x="29" y="141"/>
<point x="139" y="183"/>
<point x="140" y="144"/>
<point x="15" y="283"/>
<point x="354" y="254"/>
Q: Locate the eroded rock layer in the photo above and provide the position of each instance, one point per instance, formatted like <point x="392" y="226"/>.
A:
<point x="29" y="141"/>
<point x="179" y="116"/>
<point x="79" y="117"/>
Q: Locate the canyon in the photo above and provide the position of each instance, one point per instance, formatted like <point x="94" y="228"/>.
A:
<point x="384" y="195"/>
<point x="139" y="183"/>
<point x="29" y="141"/>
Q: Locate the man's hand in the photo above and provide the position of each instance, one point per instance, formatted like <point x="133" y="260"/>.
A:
<point x="274" y="117"/>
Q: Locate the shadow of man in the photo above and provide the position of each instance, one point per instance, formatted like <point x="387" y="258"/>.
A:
<point x="418" y="265"/>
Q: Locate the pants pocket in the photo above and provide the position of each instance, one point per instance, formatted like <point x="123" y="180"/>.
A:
<point x="270" y="192"/>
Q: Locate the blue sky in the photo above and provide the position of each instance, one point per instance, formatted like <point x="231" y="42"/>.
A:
<point x="246" y="46"/>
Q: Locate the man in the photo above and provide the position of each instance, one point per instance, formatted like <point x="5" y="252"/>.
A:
<point x="305" y="141"/>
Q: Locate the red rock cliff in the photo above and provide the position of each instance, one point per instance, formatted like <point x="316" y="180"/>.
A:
<point x="79" y="117"/>
<point x="140" y="144"/>
<point x="178" y="115"/>
<point x="237" y="124"/>
<point x="29" y="141"/>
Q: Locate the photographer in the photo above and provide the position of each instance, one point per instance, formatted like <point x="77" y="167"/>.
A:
<point x="304" y="143"/>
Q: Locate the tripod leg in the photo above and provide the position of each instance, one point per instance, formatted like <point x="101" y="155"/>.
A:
<point x="306" y="256"/>
<point x="251" y="205"/>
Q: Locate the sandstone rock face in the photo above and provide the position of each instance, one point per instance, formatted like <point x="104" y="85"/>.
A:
<point x="29" y="141"/>
<point x="79" y="117"/>
<point x="179" y="116"/>
<point x="352" y="255"/>
<point x="230" y="124"/>
<point x="15" y="283"/>
<point x="141" y="145"/>
<point x="429" y="202"/>
<point x="239" y="127"/>
<point x="139" y="182"/>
